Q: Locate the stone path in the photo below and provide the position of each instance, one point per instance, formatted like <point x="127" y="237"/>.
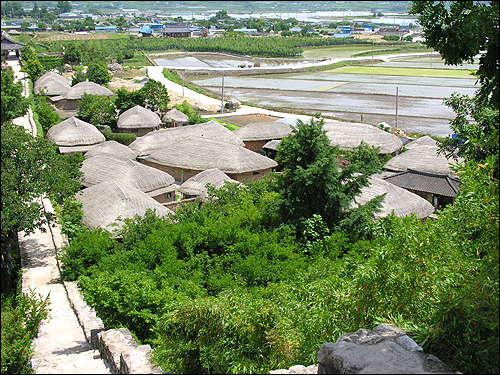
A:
<point x="61" y="346"/>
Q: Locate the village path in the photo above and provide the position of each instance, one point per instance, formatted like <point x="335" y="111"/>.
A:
<point x="60" y="346"/>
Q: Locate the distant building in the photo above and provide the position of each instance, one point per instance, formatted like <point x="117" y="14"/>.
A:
<point x="106" y="29"/>
<point x="177" y="30"/>
<point x="387" y="31"/>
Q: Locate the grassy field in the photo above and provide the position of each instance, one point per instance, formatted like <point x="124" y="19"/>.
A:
<point x="411" y="72"/>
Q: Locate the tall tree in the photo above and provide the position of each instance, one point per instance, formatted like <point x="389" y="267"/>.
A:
<point x="461" y="32"/>
<point x="13" y="103"/>
<point x="313" y="184"/>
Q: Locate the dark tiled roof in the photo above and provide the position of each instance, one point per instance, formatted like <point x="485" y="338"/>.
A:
<point x="9" y="44"/>
<point x="429" y="183"/>
<point x="170" y="30"/>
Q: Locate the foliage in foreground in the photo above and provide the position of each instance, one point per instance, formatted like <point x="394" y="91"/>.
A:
<point x="21" y="316"/>
<point x="227" y="289"/>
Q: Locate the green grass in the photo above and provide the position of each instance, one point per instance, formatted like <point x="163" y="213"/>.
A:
<point x="411" y="72"/>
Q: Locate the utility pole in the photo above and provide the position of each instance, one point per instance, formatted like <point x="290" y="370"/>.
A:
<point x="222" y="99"/>
<point x="397" y="97"/>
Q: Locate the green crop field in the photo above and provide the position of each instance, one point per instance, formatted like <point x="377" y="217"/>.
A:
<point x="411" y="72"/>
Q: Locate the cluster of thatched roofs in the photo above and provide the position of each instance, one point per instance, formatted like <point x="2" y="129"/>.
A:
<point x="58" y="87"/>
<point x="126" y="180"/>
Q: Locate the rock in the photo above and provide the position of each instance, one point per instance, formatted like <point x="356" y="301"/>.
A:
<point x="233" y="103"/>
<point x="114" y="67"/>
<point x="385" y="350"/>
<point x="297" y="369"/>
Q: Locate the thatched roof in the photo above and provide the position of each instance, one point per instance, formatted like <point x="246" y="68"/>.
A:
<point x="199" y="153"/>
<point x="74" y="132"/>
<point x="105" y="166"/>
<point x="105" y="202"/>
<point x="420" y="159"/>
<point x="175" y="115"/>
<point x="196" y="185"/>
<point x="54" y="84"/>
<point x="423" y="141"/>
<point x="259" y="131"/>
<point x="77" y="91"/>
<point x="138" y="117"/>
<point x="348" y="135"/>
<point x="272" y="145"/>
<point x="399" y="200"/>
<point x="146" y="144"/>
<point x="113" y="148"/>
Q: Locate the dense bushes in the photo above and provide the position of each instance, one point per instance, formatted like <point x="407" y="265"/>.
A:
<point x="228" y="289"/>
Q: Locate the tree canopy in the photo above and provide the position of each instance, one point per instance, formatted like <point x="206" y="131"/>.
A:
<point x="13" y="103"/>
<point x="313" y="183"/>
<point x="461" y="32"/>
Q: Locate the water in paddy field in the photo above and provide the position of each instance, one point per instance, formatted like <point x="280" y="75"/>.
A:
<point x="369" y="98"/>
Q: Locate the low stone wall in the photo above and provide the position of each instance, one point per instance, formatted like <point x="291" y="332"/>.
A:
<point x="117" y="347"/>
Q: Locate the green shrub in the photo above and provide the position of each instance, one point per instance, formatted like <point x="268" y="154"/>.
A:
<point x="123" y="138"/>
<point x="21" y="317"/>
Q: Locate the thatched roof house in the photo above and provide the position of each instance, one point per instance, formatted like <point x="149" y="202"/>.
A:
<point x="397" y="200"/>
<point x="174" y="118"/>
<point x="422" y="141"/>
<point x="421" y="159"/>
<point x="138" y="120"/>
<point x="75" y="135"/>
<point x="92" y="88"/>
<point x="69" y="101"/>
<point x="187" y="157"/>
<point x="155" y="183"/>
<point x="103" y="203"/>
<point x="53" y="83"/>
<point x="257" y="134"/>
<point x="348" y="135"/>
<point x="425" y="172"/>
<point x="196" y="186"/>
<point x="112" y="147"/>
<point x="209" y="130"/>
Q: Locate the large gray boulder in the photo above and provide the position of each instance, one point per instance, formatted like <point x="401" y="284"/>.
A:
<point x="385" y="350"/>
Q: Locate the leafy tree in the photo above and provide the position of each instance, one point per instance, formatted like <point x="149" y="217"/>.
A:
<point x="194" y="117"/>
<point x="64" y="6"/>
<point x="31" y="65"/>
<point x="312" y="182"/>
<point x="460" y="33"/>
<point x="99" y="110"/>
<point x="98" y="73"/>
<point x="78" y="76"/>
<point x="46" y="115"/>
<point x="127" y="99"/>
<point x="14" y="104"/>
<point x="156" y="96"/>
<point x="73" y="54"/>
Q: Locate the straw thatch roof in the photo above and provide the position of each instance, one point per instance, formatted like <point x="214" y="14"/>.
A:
<point x="199" y="153"/>
<point x="399" y="200"/>
<point x="272" y="145"/>
<point x="105" y="166"/>
<point x="113" y="148"/>
<point x="423" y="141"/>
<point x="196" y="185"/>
<point x="138" y="117"/>
<point x="105" y="202"/>
<point x="77" y="91"/>
<point x="175" y="115"/>
<point x="348" y="135"/>
<point x="420" y="159"/>
<point x="146" y="144"/>
<point x="75" y="132"/>
<point x="260" y="131"/>
<point x="54" y="84"/>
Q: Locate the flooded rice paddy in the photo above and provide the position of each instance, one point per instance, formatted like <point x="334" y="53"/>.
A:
<point x="370" y="98"/>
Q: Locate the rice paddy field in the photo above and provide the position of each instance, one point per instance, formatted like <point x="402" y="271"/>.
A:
<point x="361" y="93"/>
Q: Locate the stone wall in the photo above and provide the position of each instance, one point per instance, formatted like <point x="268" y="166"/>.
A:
<point x="117" y="347"/>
